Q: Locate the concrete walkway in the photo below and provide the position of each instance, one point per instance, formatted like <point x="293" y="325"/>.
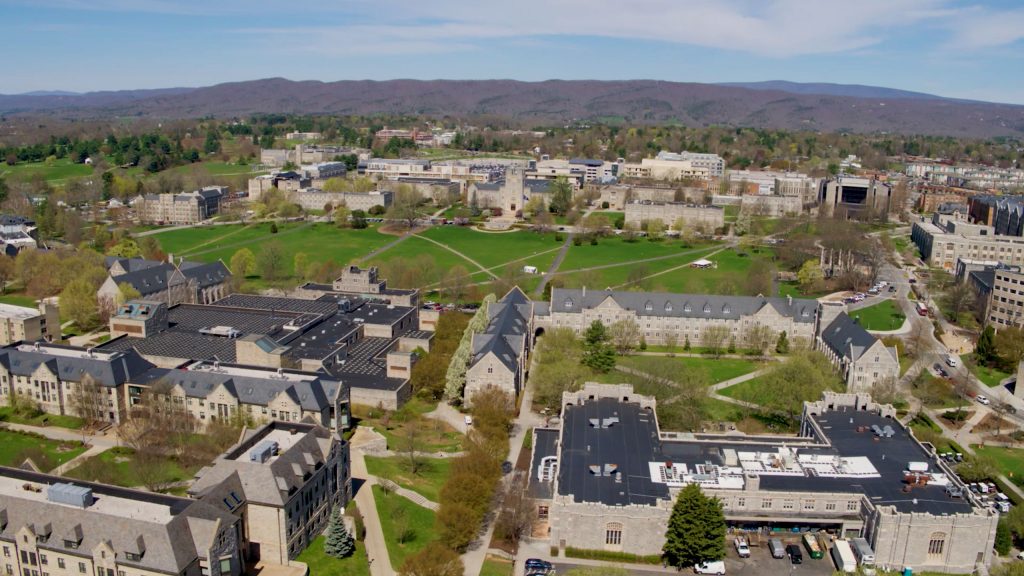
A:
<point x="74" y="462"/>
<point x="376" y="549"/>
<point x="410" y="495"/>
<point x="460" y="254"/>
<point x="66" y="434"/>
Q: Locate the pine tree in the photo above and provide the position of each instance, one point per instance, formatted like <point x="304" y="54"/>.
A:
<point x="782" y="346"/>
<point x="597" y="354"/>
<point x="696" y="529"/>
<point x="985" y="350"/>
<point x="339" y="543"/>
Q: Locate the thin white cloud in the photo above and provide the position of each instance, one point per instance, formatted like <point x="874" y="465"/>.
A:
<point x="979" y="28"/>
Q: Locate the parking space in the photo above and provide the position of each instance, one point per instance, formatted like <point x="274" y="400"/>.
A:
<point x="760" y="563"/>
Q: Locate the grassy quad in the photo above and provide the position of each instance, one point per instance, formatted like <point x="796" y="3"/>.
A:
<point x="427" y="481"/>
<point x="407" y="527"/>
<point x="47" y="454"/>
<point x="718" y="369"/>
<point x="884" y="316"/>
<point x="8" y="414"/>
<point x="320" y="563"/>
<point x="1009" y="460"/>
<point x="496" y="567"/>
<point x="493" y="249"/>
<point x="432" y="435"/>
<point x="117" y="466"/>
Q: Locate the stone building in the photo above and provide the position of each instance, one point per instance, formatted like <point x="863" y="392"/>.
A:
<point x="173" y="283"/>
<point x="53" y="525"/>
<point x="608" y="478"/>
<point x="678" y="317"/>
<point x="20" y="323"/>
<point x="638" y="213"/>
<point x="179" y="209"/>
<point x="510" y="194"/>
<point x="500" y="354"/>
<point x="772" y="206"/>
<point x="943" y="241"/>
<point x="861" y="359"/>
<point x="316" y="199"/>
<point x="1006" y="298"/>
<point x="282" y="481"/>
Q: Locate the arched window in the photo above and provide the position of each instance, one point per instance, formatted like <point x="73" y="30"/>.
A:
<point x="936" y="543"/>
<point x="613" y="534"/>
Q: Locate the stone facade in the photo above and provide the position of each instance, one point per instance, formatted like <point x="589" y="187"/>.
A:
<point x="638" y="213"/>
<point x="861" y="359"/>
<point x="315" y="199"/>
<point x="501" y="353"/>
<point x="178" y="209"/>
<point x="943" y="242"/>
<point x="772" y="206"/>
<point x="19" y="323"/>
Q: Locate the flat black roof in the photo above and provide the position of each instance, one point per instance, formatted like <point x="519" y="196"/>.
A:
<point x="545" y="444"/>
<point x="629" y="445"/>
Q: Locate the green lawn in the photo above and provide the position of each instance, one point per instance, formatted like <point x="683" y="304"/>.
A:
<point x="885" y="315"/>
<point x="612" y="216"/>
<point x="1010" y="460"/>
<point x="427" y="481"/>
<point x="18" y="300"/>
<point x="616" y="250"/>
<point x="731" y="212"/>
<point x="56" y="171"/>
<point x="990" y="376"/>
<point x="618" y="274"/>
<point x="496" y="567"/>
<point x="718" y="370"/>
<point x="320" y="241"/>
<point x="7" y="414"/>
<point x="320" y="563"/>
<point x="398" y="515"/>
<point x="756" y="390"/>
<point x="117" y="466"/>
<point x="721" y="411"/>
<point x="47" y="454"/>
<point x="433" y="435"/>
<point x="493" y="249"/>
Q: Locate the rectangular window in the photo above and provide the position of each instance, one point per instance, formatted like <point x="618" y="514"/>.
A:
<point x="808" y="504"/>
<point x="225" y="566"/>
<point x="935" y="546"/>
<point x="830" y="505"/>
<point x="42" y="559"/>
<point x="613" y="537"/>
<point x="787" y="504"/>
<point x="60" y="563"/>
<point x="741" y="502"/>
<point x="766" y="503"/>
<point x="851" y="506"/>
<point x="542" y="512"/>
<point x="81" y="567"/>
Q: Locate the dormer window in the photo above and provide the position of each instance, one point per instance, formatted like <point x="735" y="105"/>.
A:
<point x="568" y="302"/>
<point x="707" y="309"/>
<point x="687" y="307"/>
<point x="726" y="309"/>
<point x="648" y="306"/>
<point x="668" y="306"/>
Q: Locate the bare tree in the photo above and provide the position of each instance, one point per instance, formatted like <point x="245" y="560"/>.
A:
<point x="89" y="401"/>
<point x="624" y="335"/>
<point x="411" y="444"/>
<point x="758" y="337"/>
<point x="517" y="514"/>
<point x="713" y="338"/>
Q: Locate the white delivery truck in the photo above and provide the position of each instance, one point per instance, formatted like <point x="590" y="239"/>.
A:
<point x="842" y="555"/>
<point x="862" y="550"/>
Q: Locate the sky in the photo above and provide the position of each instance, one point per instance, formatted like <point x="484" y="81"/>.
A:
<point x="956" y="48"/>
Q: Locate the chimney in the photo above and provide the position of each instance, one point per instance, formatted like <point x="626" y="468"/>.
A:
<point x="170" y="258"/>
<point x="789" y="299"/>
<point x="584" y="291"/>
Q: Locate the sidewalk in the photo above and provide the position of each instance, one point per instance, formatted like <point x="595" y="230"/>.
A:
<point x="376" y="549"/>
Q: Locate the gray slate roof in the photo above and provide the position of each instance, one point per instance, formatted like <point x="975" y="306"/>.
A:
<point x="311" y="395"/>
<point x="682" y="305"/>
<point x="206" y="275"/>
<point x="169" y="546"/>
<point x="506" y="332"/>
<point x="847" y="338"/>
<point x="107" y="372"/>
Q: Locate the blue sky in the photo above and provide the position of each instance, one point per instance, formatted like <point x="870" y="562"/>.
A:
<point x="948" y="47"/>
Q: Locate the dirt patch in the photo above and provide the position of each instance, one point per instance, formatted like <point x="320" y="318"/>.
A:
<point x="956" y="418"/>
<point x="994" y="424"/>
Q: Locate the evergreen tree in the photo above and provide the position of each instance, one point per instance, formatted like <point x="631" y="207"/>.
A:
<point x="597" y="353"/>
<point x="339" y="543"/>
<point x="696" y="529"/>
<point x="595" y="334"/>
<point x="985" y="350"/>
<point x="782" y="346"/>
<point x="686" y="343"/>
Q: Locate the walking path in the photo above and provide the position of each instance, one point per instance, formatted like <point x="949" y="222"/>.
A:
<point x="93" y="450"/>
<point x="712" y="390"/>
<point x="457" y="253"/>
<point x="539" y="290"/>
<point x="376" y="549"/>
<point x="411" y="495"/>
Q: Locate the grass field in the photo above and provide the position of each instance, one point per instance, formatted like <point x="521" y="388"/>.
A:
<point x="756" y="390"/>
<point x="722" y="411"/>
<point x="885" y="315"/>
<point x="433" y="435"/>
<point x="493" y="249"/>
<point x="14" y="446"/>
<point x="990" y="376"/>
<point x="718" y="370"/>
<point x="18" y="300"/>
<point x="319" y="241"/>
<point x="1010" y="460"/>
<point x="615" y="250"/>
<point x="496" y="567"/>
<point x="320" y="563"/>
<point x="7" y="414"/>
<point x="117" y="466"/>
<point x="56" y="171"/>
<point x="397" y="516"/>
<point x="427" y="481"/>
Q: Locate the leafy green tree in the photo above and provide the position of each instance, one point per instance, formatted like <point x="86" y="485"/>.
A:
<point x="126" y="248"/>
<point x="341" y="214"/>
<point x="271" y="261"/>
<point x="1004" y="540"/>
<point x="338" y="543"/>
<point x="78" y="302"/>
<point x="809" y="276"/>
<point x="985" y="349"/>
<point x="782" y="345"/>
<point x="300" y="263"/>
<point x="243" y="263"/>
<point x="561" y="196"/>
<point x="434" y="560"/>
<point x="696" y="529"/>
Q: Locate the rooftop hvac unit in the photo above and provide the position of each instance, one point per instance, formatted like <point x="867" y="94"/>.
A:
<point x="263" y="451"/>
<point x="222" y="331"/>
<point x="345" y="305"/>
<point x="65" y="493"/>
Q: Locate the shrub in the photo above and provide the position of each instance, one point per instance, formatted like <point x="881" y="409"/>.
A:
<point x="612" y="556"/>
<point x="559" y="237"/>
<point x="273" y="227"/>
<point x="605" y="205"/>
<point x="577" y="241"/>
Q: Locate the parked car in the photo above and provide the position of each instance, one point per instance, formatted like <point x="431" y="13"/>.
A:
<point x="712" y="567"/>
<point x="796" y="556"/>
<point x="469" y="420"/>
<point x="778" y="549"/>
<point x="506" y="467"/>
<point x="536" y="564"/>
<point x="741" y="547"/>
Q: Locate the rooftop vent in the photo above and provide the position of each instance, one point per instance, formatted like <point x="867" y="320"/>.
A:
<point x="263" y="451"/>
<point x="65" y="493"/>
<point x="222" y="331"/>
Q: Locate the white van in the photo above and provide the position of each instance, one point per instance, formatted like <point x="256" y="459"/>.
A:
<point x="713" y="567"/>
<point x="952" y="361"/>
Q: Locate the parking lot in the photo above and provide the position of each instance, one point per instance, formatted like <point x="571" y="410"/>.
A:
<point x="760" y="563"/>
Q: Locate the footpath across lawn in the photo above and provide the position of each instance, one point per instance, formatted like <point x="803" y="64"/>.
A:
<point x="407" y="527"/>
<point x="718" y="369"/>
<point x="1009" y="460"/>
<point x="46" y="453"/>
<point x="884" y="316"/>
<point x="427" y="481"/>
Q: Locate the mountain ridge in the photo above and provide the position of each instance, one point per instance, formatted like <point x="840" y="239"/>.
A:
<point x="768" y="105"/>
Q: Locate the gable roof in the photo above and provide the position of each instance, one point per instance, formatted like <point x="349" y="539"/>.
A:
<point x="206" y="275"/>
<point x="109" y="370"/>
<point x="683" y="305"/>
<point x="847" y="338"/>
<point x="149" y="280"/>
